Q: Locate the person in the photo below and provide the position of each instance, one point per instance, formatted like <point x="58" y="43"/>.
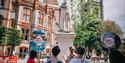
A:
<point x="55" y="52"/>
<point x="31" y="59"/>
<point x="116" y="57"/>
<point x="79" y="56"/>
<point x="71" y="55"/>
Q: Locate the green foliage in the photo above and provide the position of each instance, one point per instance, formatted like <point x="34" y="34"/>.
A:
<point x="3" y="35"/>
<point x="14" y="37"/>
<point x="110" y="26"/>
<point x="8" y="36"/>
<point x="87" y="25"/>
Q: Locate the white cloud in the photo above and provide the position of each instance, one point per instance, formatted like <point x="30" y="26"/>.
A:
<point x="115" y="10"/>
<point x="60" y="1"/>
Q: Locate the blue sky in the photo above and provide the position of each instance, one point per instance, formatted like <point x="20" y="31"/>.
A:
<point x="115" y="10"/>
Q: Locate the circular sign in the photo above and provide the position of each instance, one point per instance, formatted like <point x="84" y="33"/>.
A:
<point x="108" y="40"/>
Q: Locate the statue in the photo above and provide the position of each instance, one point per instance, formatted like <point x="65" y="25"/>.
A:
<point x="65" y="23"/>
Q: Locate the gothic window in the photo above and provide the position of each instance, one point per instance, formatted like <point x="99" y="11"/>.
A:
<point x="40" y="18"/>
<point x="97" y="11"/>
<point x="26" y="15"/>
<point x="1" y="3"/>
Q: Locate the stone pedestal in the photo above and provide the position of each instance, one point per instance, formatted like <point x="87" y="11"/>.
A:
<point x="64" y="40"/>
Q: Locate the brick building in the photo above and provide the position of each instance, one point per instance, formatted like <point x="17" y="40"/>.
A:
<point x="26" y="15"/>
<point x="29" y="15"/>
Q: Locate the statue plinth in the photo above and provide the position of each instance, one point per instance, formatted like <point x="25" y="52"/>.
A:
<point x="65" y="40"/>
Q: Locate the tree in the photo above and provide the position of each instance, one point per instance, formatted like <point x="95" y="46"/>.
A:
<point x="110" y="26"/>
<point x="3" y="36"/>
<point x="87" y="25"/>
<point x="14" y="37"/>
<point x="10" y="37"/>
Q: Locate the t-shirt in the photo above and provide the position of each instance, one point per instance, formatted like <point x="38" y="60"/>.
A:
<point x="31" y="60"/>
<point x="79" y="60"/>
<point x="70" y="57"/>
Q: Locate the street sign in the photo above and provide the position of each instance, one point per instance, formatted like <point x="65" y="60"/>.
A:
<point x="110" y="40"/>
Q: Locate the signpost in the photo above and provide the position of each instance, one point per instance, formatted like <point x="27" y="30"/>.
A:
<point x="110" y="41"/>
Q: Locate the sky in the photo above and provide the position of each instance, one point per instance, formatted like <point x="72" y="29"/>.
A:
<point x="115" y="10"/>
<point x="60" y="2"/>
